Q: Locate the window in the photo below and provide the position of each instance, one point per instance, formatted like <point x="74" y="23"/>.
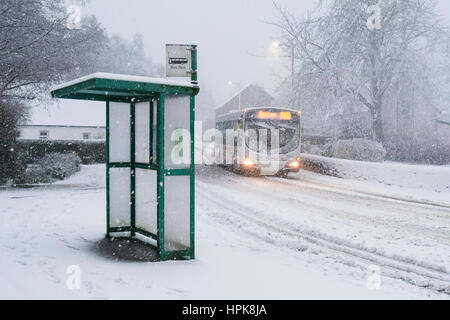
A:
<point x="86" y="136"/>
<point x="43" y="134"/>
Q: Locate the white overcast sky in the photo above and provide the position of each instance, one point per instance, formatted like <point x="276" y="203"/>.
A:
<point x="231" y="35"/>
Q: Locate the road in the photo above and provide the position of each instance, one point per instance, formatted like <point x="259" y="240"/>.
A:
<point x="409" y="241"/>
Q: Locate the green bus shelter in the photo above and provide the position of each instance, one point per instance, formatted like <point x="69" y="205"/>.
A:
<point x="150" y="169"/>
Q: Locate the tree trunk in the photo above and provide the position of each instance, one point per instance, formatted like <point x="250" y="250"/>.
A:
<point x="377" y="123"/>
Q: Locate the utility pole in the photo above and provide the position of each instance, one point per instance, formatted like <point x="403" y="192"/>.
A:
<point x="276" y="53"/>
<point x="239" y="96"/>
<point x="239" y="86"/>
<point x="292" y="73"/>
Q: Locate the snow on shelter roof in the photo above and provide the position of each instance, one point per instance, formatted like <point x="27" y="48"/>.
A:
<point x="118" y="87"/>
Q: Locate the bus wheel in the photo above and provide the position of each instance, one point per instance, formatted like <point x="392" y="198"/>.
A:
<point x="284" y="174"/>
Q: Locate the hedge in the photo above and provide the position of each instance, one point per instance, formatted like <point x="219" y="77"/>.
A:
<point x="31" y="151"/>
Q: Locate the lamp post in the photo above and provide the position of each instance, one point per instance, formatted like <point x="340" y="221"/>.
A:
<point x="276" y="52"/>
<point x="239" y="85"/>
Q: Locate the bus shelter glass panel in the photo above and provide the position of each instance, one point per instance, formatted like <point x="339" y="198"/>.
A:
<point x="142" y="129"/>
<point x="119" y="132"/>
<point x="177" y="132"/>
<point x="146" y="200"/>
<point x="119" y="195"/>
<point x="177" y="213"/>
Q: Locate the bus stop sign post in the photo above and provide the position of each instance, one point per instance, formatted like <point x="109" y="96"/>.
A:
<point x="147" y="191"/>
<point x="181" y="61"/>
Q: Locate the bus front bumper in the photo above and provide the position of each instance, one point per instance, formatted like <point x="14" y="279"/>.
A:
<point x="276" y="167"/>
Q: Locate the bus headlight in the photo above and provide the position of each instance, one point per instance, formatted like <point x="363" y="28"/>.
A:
<point x="248" y="163"/>
<point x="295" y="164"/>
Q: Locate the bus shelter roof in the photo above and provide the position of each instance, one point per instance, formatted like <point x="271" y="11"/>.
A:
<point x="121" y="88"/>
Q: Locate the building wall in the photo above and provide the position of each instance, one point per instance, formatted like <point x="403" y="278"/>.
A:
<point x="443" y="131"/>
<point x="33" y="132"/>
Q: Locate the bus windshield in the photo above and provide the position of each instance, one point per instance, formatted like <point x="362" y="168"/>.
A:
<point x="262" y="125"/>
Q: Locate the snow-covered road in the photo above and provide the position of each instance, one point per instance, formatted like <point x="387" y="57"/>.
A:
<point x="407" y="240"/>
<point x="302" y="238"/>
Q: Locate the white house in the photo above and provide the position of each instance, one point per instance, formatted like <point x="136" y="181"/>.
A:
<point x="61" y="132"/>
<point x="65" y="121"/>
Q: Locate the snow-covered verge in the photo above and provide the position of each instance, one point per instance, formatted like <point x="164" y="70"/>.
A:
<point x="358" y="149"/>
<point x="47" y="229"/>
<point x="50" y="168"/>
<point x="421" y="183"/>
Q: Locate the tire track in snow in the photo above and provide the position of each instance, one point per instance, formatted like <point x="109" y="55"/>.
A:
<point x="352" y="192"/>
<point x="419" y="275"/>
<point x="400" y="208"/>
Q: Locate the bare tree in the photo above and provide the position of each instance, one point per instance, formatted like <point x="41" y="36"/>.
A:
<point x="120" y="55"/>
<point x="11" y="112"/>
<point x="343" y="61"/>
<point x="37" y="46"/>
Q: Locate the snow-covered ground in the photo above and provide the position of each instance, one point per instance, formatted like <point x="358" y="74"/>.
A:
<point x="420" y="183"/>
<point x="307" y="237"/>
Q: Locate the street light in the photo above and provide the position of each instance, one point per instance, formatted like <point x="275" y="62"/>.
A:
<point x="239" y="85"/>
<point x="275" y="51"/>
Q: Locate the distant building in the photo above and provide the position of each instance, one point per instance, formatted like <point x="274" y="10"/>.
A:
<point x="65" y="121"/>
<point x="61" y="133"/>
<point x="443" y="127"/>
<point x="252" y="96"/>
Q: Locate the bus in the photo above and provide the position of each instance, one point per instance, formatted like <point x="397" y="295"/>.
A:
<point x="259" y="141"/>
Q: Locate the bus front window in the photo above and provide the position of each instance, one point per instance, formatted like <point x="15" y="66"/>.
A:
<point x="261" y="134"/>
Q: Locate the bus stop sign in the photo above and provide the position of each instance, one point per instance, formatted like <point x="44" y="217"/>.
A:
<point x="178" y="60"/>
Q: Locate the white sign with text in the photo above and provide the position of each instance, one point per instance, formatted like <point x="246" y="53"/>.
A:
<point x="178" y="60"/>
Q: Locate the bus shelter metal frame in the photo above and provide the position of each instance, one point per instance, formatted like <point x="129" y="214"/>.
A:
<point x="99" y="87"/>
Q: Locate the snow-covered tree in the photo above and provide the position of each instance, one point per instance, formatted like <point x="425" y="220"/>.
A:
<point x="11" y="113"/>
<point x="37" y="45"/>
<point x="124" y="56"/>
<point x="40" y="46"/>
<point x="350" y="53"/>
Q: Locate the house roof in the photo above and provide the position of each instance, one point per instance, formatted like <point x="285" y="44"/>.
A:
<point x="251" y="97"/>
<point x="443" y="118"/>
